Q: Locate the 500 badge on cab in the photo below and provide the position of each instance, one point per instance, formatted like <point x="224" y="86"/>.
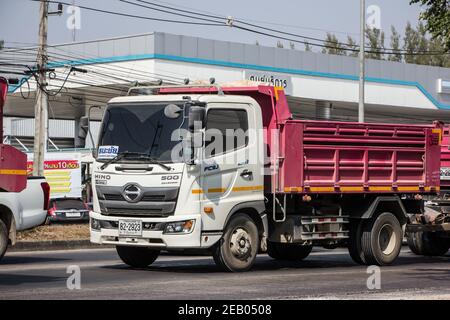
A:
<point x="170" y="179"/>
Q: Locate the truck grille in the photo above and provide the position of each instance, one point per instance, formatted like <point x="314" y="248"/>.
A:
<point x="153" y="202"/>
<point x="119" y="197"/>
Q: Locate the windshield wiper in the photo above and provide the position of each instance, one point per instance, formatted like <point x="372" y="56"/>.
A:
<point x="136" y="155"/>
<point x="152" y="160"/>
<point x="118" y="157"/>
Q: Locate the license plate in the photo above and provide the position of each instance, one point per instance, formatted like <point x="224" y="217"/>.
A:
<point x="73" y="214"/>
<point x="445" y="173"/>
<point x="130" y="228"/>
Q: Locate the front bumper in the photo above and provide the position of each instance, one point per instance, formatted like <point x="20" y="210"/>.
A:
<point x="153" y="238"/>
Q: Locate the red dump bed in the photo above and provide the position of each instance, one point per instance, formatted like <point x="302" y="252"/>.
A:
<point x="337" y="157"/>
<point x="13" y="163"/>
<point x="324" y="156"/>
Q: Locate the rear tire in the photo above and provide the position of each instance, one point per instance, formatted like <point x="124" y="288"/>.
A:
<point x="288" y="251"/>
<point x="354" y="241"/>
<point x="137" y="257"/>
<point x="237" y="249"/>
<point x="381" y="239"/>
<point x="427" y="244"/>
<point x="3" y="239"/>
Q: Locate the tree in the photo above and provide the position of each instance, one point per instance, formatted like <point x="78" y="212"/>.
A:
<point x="395" y="45"/>
<point x="376" y="43"/>
<point x="2" y="43"/>
<point x="333" y="46"/>
<point x="280" y="44"/>
<point x="351" y="44"/>
<point x="437" y="17"/>
<point x="410" y="43"/>
<point x="292" y="45"/>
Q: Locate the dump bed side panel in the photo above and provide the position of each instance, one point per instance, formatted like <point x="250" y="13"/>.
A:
<point x="335" y="157"/>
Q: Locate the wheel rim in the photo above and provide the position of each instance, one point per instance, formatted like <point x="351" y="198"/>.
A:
<point x="387" y="239"/>
<point x="240" y="244"/>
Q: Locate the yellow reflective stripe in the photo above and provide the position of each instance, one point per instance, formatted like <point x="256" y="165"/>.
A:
<point x="408" y="188"/>
<point x="15" y="172"/>
<point x="235" y="189"/>
<point x="293" y="189"/>
<point x="352" y="189"/>
<point x="216" y="190"/>
<point x="321" y="189"/>
<point x="380" y="188"/>
<point x="249" y="188"/>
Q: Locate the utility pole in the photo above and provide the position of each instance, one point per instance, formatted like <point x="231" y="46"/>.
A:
<point x="41" y="107"/>
<point x="361" y="61"/>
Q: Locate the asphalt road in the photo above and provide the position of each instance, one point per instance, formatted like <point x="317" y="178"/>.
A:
<point x="323" y="275"/>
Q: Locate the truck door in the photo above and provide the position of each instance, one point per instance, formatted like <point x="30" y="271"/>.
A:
<point x="230" y="173"/>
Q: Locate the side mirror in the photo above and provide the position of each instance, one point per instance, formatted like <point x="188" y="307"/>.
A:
<point x="83" y="128"/>
<point x="172" y="111"/>
<point x="197" y="118"/>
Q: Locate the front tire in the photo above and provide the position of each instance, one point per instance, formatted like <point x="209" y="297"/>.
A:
<point x="3" y="239"/>
<point x="137" y="257"/>
<point x="236" y="250"/>
<point x="381" y="240"/>
<point x="288" y="251"/>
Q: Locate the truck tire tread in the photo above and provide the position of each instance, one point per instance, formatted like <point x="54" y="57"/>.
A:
<point x="3" y="239"/>
<point x="373" y="254"/>
<point x="137" y="257"/>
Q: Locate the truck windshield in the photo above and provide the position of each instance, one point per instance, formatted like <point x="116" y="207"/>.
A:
<point x="142" y="129"/>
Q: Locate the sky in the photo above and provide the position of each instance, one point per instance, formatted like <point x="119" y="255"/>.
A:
<point x="19" y="19"/>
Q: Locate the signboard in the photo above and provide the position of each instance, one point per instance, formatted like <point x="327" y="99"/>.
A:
<point x="274" y="79"/>
<point x="62" y="172"/>
<point x="443" y="86"/>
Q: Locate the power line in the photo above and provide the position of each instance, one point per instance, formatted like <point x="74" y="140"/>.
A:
<point x="129" y="15"/>
<point x="338" y="45"/>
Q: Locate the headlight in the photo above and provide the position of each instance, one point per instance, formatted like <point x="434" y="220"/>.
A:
<point x="179" y="226"/>
<point x="95" y="224"/>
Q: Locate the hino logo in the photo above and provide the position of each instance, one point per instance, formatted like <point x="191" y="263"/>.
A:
<point x="132" y="193"/>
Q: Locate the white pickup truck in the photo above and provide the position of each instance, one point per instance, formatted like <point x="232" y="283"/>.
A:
<point x="22" y="210"/>
<point x="23" y="200"/>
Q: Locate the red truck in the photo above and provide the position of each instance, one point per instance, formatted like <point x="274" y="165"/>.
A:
<point x="286" y="186"/>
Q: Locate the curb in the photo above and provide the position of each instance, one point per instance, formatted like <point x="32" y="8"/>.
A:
<point x="54" y="245"/>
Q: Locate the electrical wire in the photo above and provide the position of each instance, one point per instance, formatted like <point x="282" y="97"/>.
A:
<point x="129" y="15"/>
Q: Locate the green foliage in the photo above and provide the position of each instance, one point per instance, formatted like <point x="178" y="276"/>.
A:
<point x="375" y="37"/>
<point x="395" y="45"/>
<point x="437" y="16"/>
<point x="333" y="46"/>
<point x="2" y="43"/>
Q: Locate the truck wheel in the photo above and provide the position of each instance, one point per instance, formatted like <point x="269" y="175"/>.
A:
<point x="381" y="239"/>
<point x="3" y="239"/>
<point x="236" y="250"/>
<point x="427" y="244"/>
<point x="288" y="251"/>
<point x="415" y="242"/>
<point x="354" y="241"/>
<point x="137" y="257"/>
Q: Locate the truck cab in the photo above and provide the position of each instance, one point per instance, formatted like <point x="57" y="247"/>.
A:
<point x="154" y="187"/>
